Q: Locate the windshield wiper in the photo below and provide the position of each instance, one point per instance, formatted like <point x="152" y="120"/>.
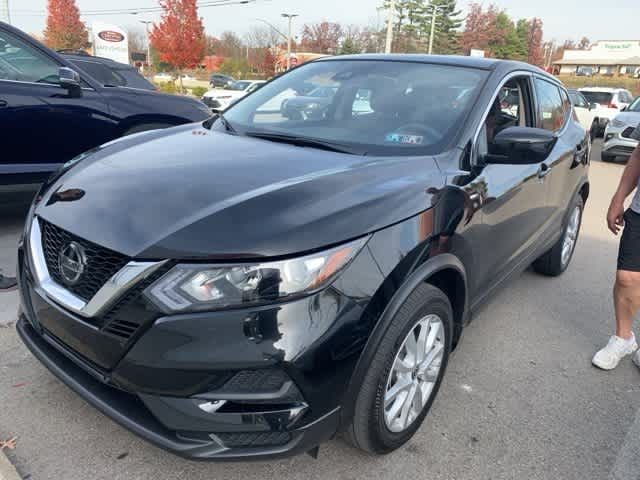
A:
<point x="306" y="142"/>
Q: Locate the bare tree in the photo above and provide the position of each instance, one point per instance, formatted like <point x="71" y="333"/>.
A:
<point x="263" y="36"/>
<point x="137" y="40"/>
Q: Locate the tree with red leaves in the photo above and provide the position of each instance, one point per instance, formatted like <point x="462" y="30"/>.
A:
<point x="534" y="43"/>
<point x="322" y="37"/>
<point x="179" y="37"/>
<point x="481" y="28"/>
<point x="64" y="28"/>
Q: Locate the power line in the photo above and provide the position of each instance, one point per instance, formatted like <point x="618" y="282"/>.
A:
<point x="136" y="11"/>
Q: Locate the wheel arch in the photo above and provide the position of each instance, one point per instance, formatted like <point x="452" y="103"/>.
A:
<point x="444" y="271"/>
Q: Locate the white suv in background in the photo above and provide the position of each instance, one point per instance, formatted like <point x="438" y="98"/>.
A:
<point x="617" y="135"/>
<point x="606" y="103"/>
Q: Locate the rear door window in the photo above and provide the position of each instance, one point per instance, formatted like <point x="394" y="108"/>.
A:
<point x="551" y="106"/>
<point x="102" y="74"/>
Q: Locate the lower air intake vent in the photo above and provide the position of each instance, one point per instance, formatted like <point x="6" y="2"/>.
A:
<point x="238" y="440"/>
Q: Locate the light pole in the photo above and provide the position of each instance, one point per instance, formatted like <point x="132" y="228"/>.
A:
<point x="146" y="25"/>
<point x="433" y="27"/>
<point x="391" y="15"/>
<point x="290" y="16"/>
<point x="5" y="15"/>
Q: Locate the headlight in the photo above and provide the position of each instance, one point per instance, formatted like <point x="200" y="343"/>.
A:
<point x="617" y="123"/>
<point x="199" y="287"/>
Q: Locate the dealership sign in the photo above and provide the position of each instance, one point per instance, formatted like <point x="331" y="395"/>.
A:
<point x="110" y="41"/>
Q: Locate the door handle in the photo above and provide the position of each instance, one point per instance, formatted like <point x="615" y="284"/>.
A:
<point x="543" y="171"/>
<point x="3" y="103"/>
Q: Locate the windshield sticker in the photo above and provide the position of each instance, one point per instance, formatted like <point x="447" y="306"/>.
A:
<point x="404" y="139"/>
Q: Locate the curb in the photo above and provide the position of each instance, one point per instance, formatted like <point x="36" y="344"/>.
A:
<point x="7" y="470"/>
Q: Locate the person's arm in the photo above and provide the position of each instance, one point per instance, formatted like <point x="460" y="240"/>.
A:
<point x="628" y="182"/>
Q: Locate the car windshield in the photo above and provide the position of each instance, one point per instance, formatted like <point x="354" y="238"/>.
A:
<point x="375" y="107"/>
<point x="603" y="98"/>
<point x="240" y="86"/>
<point x="635" y="106"/>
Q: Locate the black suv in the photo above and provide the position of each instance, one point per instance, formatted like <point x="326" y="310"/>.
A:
<point x="54" y="107"/>
<point x="254" y="285"/>
<point x="218" y="80"/>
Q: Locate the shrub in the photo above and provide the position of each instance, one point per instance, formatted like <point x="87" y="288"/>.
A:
<point x="198" y="91"/>
<point x="168" y="87"/>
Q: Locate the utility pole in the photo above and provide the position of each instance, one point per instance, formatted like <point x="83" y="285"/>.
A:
<point x="390" y="17"/>
<point x="433" y="27"/>
<point x="4" y="11"/>
<point x="146" y="25"/>
<point x="290" y="16"/>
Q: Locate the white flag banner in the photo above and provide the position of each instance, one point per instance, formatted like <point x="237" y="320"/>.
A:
<point x="110" y="41"/>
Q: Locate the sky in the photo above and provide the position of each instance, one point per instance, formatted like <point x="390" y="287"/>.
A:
<point x="596" y="19"/>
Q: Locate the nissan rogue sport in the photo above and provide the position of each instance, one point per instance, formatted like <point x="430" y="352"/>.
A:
<point x="254" y="285"/>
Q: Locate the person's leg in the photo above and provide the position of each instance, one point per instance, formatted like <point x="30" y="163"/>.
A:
<point x="626" y="299"/>
<point x="626" y="296"/>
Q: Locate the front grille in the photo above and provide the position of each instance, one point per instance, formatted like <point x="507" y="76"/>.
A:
<point x="102" y="263"/>
<point x="258" y="439"/>
<point x="627" y="132"/>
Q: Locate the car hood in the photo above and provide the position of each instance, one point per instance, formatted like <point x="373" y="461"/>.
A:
<point x="191" y="193"/>
<point x="630" y="118"/>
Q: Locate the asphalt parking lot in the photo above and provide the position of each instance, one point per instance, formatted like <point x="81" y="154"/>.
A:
<point x="520" y="398"/>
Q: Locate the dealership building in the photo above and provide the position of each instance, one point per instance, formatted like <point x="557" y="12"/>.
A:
<point x="606" y="57"/>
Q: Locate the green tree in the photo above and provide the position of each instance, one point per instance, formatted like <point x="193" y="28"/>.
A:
<point x="413" y="25"/>
<point x="448" y="23"/>
<point x="348" y="47"/>
<point x="236" y="67"/>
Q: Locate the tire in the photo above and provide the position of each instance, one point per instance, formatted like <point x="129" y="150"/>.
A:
<point x="556" y="260"/>
<point x="373" y="431"/>
<point x="607" y="157"/>
<point x="145" y="127"/>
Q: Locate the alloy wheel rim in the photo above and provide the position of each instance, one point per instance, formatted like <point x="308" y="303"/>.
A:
<point x="414" y="373"/>
<point x="570" y="236"/>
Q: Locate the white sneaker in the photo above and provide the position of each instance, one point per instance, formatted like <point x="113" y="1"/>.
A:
<point x="609" y="357"/>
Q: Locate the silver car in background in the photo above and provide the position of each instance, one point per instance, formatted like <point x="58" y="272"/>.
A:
<point x="617" y="135"/>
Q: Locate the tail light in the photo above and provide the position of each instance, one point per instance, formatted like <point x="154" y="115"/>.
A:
<point x="613" y="105"/>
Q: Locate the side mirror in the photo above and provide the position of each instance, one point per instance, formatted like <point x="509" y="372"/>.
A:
<point x="521" y="146"/>
<point x="69" y="80"/>
<point x="594" y="106"/>
<point x="624" y="109"/>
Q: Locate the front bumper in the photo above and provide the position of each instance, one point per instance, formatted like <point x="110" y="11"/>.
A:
<point x="615" y="143"/>
<point x="132" y="412"/>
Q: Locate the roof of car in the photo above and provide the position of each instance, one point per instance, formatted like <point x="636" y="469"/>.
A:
<point x="91" y="58"/>
<point x="458" y="60"/>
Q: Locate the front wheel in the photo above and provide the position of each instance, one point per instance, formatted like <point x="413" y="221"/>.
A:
<point x="405" y="374"/>
<point x="555" y="261"/>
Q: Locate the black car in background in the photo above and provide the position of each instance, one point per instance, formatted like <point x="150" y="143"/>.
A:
<point x="218" y="80"/>
<point x="255" y="285"/>
<point x="54" y="107"/>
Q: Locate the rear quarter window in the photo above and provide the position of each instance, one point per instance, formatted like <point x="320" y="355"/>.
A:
<point x="551" y="105"/>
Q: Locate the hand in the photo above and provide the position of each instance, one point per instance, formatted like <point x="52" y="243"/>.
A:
<point x="615" y="216"/>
